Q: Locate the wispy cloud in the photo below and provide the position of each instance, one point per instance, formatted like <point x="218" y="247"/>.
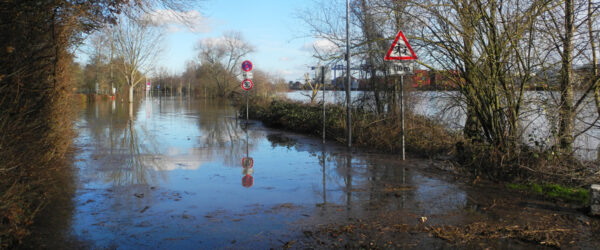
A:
<point x="321" y="46"/>
<point x="289" y="74"/>
<point x="176" y="21"/>
<point x="285" y="59"/>
<point x="212" y="42"/>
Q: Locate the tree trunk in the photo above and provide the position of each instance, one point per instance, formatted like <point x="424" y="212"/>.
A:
<point x="596" y="76"/>
<point x="131" y="111"/>
<point x="472" y="129"/>
<point x="566" y="112"/>
<point x="131" y="93"/>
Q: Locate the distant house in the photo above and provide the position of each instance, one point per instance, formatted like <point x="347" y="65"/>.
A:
<point x="295" y="85"/>
<point x="426" y="79"/>
<point x="339" y="83"/>
<point x="421" y="78"/>
<point x="445" y="79"/>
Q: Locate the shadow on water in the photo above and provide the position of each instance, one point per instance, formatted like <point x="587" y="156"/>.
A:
<point x="165" y="173"/>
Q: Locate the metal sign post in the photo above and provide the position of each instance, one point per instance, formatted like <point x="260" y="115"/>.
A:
<point x="323" y="75"/>
<point x="247" y="83"/>
<point x="402" y="114"/>
<point x="400" y="51"/>
<point x="323" y="87"/>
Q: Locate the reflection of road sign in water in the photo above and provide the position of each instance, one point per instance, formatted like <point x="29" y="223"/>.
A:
<point x="400" y="49"/>
<point x="247" y="162"/>
<point x="247" y="84"/>
<point x="148" y="86"/>
<point x="247" y="171"/>
<point x="246" y="66"/>
<point x="247" y="181"/>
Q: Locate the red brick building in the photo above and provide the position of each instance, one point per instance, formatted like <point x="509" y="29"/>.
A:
<point x="421" y="78"/>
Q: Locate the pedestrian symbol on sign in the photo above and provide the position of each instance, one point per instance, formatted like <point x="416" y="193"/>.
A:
<point x="401" y="49"/>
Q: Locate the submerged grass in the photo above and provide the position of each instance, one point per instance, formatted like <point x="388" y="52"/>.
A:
<point x="426" y="137"/>
<point x="554" y="191"/>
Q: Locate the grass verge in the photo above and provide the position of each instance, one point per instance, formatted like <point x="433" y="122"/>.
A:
<point x="554" y="191"/>
<point x="424" y="137"/>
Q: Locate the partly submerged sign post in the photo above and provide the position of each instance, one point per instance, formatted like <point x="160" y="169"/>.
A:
<point x="398" y="54"/>
<point x="323" y="75"/>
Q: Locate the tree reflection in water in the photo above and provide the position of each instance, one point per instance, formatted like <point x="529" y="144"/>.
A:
<point x="124" y="160"/>
<point x="221" y="135"/>
<point x="136" y="150"/>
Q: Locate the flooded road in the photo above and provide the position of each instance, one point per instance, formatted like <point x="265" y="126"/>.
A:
<point x="177" y="173"/>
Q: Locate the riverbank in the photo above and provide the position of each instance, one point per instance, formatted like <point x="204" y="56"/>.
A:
<point x="428" y="138"/>
<point x="34" y="171"/>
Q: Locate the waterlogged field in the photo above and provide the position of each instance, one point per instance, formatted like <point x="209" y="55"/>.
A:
<point x="170" y="173"/>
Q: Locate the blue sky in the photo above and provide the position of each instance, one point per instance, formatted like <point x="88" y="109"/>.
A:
<point x="270" y="26"/>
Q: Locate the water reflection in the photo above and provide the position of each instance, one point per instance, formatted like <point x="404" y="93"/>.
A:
<point x="365" y="182"/>
<point x="247" y="166"/>
<point x="120" y="151"/>
<point x="167" y="174"/>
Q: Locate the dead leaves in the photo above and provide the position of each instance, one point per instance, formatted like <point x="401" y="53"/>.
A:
<point x="484" y="231"/>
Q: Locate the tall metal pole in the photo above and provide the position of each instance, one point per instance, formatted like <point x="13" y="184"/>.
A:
<point x="348" y="83"/>
<point x="246" y="107"/>
<point x="324" y="182"/>
<point x="323" y="82"/>
<point x="402" y="113"/>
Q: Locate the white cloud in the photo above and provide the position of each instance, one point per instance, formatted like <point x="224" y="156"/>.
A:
<point x="285" y="59"/>
<point x="175" y="21"/>
<point x="220" y="41"/>
<point x="290" y="74"/>
<point x="321" y="46"/>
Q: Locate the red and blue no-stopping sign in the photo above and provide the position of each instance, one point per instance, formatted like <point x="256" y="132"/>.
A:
<point x="247" y="66"/>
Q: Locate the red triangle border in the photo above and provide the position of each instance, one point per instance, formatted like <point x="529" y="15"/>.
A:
<point x="389" y="58"/>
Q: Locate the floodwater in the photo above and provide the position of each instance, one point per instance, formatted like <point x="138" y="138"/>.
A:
<point x="175" y="173"/>
<point x="538" y="121"/>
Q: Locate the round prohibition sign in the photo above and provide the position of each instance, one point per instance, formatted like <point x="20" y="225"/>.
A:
<point x="247" y="181"/>
<point x="247" y="84"/>
<point x="247" y="66"/>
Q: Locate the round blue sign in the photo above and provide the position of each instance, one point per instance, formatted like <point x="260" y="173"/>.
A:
<point x="247" y="66"/>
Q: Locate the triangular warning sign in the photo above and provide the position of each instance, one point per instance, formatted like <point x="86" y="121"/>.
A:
<point x="400" y="49"/>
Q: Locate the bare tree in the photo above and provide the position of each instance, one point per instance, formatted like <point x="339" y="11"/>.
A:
<point x="486" y="47"/>
<point x="314" y="88"/>
<point x="137" y="44"/>
<point x="220" y="60"/>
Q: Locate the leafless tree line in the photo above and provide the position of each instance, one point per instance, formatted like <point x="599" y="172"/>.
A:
<point x="494" y="52"/>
